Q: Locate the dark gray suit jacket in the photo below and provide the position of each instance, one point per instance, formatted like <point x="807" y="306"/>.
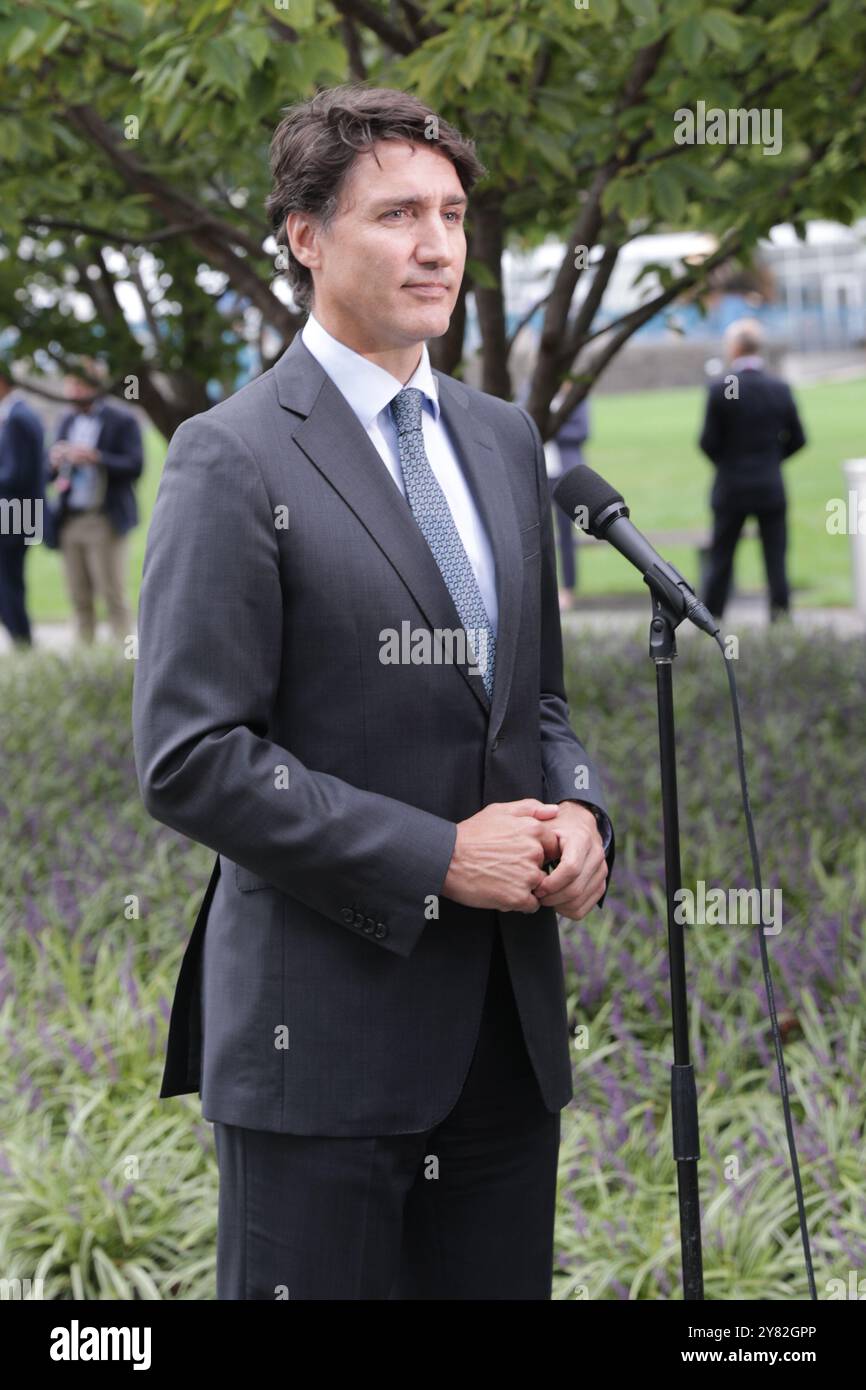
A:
<point x="325" y="996"/>
<point x="749" y="437"/>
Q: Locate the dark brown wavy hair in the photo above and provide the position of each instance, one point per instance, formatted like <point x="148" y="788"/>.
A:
<point x="316" y="142"/>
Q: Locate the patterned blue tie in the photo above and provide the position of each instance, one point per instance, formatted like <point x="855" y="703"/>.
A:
<point x="433" y="515"/>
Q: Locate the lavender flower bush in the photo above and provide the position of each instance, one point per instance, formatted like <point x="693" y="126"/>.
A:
<point x="805" y="732"/>
<point x="106" y="1192"/>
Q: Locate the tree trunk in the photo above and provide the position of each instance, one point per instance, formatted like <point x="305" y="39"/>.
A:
<point x="446" y="353"/>
<point x="487" y="246"/>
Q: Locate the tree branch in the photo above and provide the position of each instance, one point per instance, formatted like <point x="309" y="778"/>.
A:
<point x="591" y="303"/>
<point x="630" y="323"/>
<point x="110" y="236"/>
<point x="216" y="238"/>
<point x="389" y="33"/>
<point x="354" y="52"/>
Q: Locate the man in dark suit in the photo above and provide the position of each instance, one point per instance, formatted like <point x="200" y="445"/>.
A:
<point x="96" y="460"/>
<point x="751" y="426"/>
<point x="350" y="686"/>
<point x="569" y="443"/>
<point x="22" y="493"/>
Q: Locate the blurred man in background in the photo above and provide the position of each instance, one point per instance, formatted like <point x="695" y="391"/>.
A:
<point x="96" y="461"/>
<point x="751" y="426"/>
<point x="566" y="454"/>
<point x="22" y="476"/>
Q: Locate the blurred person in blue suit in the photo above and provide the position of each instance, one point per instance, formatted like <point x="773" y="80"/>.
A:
<point x="22" y="478"/>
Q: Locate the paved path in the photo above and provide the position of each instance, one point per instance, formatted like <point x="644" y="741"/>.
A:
<point x="626" y="614"/>
<point x="54" y="637"/>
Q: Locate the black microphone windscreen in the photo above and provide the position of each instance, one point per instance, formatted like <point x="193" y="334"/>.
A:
<point x="583" y="487"/>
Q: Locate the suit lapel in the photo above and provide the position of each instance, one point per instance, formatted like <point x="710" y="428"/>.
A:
<point x="334" y="440"/>
<point x="486" y="474"/>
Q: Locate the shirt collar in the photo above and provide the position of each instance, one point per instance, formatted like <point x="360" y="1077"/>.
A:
<point x="367" y="387"/>
<point x="749" y="361"/>
<point x="93" y="413"/>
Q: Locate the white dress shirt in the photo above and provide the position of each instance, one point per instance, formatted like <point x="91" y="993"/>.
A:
<point x="84" y="427"/>
<point x="369" y="390"/>
<point x="87" y="490"/>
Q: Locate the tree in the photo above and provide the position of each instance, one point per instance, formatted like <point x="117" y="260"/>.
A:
<point x="135" y="139"/>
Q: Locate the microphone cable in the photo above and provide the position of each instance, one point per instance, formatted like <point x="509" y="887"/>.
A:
<point x="765" y="962"/>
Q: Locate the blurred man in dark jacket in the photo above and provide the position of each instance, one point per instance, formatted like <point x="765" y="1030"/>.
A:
<point x="22" y="487"/>
<point x="96" y="460"/>
<point x="569" y="448"/>
<point x="751" y="426"/>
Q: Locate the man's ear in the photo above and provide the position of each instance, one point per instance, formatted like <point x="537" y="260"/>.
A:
<point x="302" y="232"/>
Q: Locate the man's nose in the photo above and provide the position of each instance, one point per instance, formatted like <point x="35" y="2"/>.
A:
<point x="433" y="242"/>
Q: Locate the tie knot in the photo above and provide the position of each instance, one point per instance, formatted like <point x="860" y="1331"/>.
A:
<point x="406" y="409"/>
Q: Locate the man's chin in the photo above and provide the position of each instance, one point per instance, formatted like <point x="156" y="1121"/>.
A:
<point x="429" y="322"/>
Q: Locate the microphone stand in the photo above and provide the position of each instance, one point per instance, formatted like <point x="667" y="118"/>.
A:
<point x="666" y="617"/>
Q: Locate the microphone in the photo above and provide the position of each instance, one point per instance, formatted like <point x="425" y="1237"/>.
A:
<point x="600" y="510"/>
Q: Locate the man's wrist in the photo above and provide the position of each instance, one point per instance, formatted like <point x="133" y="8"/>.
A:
<point x="605" y="829"/>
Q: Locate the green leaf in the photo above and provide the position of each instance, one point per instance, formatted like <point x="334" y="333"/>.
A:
<point x="668" y="195"/>
<point x="722" y="29"/>
<point x="643" y="9"/>
<point x="551" y="151"/>
<point x="178" y="114"/>
<point x="24" y="39"/>
<point x="12" y="140"/>
<point x="202" y="13"/>
<point x="702" y="180"/>
<point x="258" y="43"/>
<point x="512" y="157"/>
<point x="178" y="73"/>
<point x="804" y="49"/>
<point x="297" y="14"/>
<point x="56" y="38"/>
<point x="690" y="41"/>
<point x="626" y="195"/>
<point x="226" y="66"/>
<point x="477" y="46"/>
<point x="605" y="11"/>
<point x="130" y="15"/>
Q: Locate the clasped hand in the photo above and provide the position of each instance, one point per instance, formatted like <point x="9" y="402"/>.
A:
<point x="499" y="855"/>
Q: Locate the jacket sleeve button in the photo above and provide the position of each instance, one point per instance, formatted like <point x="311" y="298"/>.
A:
<point x="347" y="914"/>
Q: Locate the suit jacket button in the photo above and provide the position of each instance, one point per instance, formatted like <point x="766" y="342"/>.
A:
<point x="369" y="925"/>
<point x="381" y="930"/>
<point x="359" y="919"/>
<point x="347" y="914"/>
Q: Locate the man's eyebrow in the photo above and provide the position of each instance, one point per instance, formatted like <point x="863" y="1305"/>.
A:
<point x="452" y="200"/>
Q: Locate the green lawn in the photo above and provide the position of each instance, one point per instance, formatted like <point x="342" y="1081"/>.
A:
<point x="645" y="443"/>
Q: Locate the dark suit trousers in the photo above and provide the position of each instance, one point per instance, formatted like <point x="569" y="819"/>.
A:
<point x="728" y="522"/>
<point x="13" y="607"/>
<point x="464" y="1210"/>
